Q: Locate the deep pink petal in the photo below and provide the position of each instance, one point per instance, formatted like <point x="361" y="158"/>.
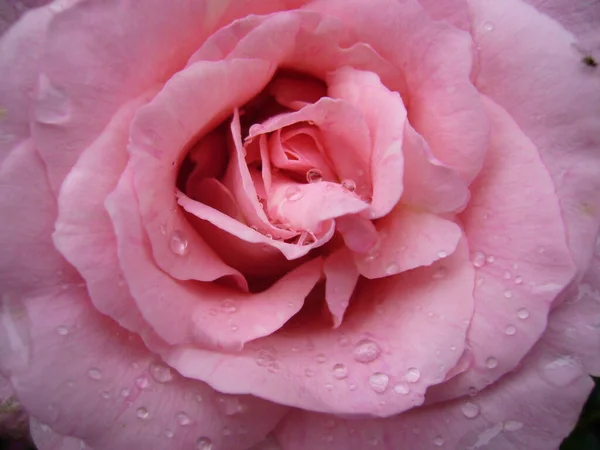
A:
<point x="563" y="126"/>
<point x="408" y="239"/>
<point x="205" y="313"/>
<point x="301" y="367"/>
<point x="341" y="277"/>
<point x="295" y="93"/>
<point x="428" y="183"/>
<point x="436" y="59"/>
<point x="360" y="234"/>
<point x="192" y="103"/>
<point x="385" y="116"/>
<point x="213" y="193"/>
<point x="517" y="242"/>
<point x="45" y="438"/>
<point x="209" y="157"/>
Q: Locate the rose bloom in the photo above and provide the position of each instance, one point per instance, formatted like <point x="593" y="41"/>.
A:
<point x="285" y="224"/>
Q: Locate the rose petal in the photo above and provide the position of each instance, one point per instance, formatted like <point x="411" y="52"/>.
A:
<point x="517" y="242"/>
<point x="341" y="278"/>
<point x="299" y="367"/>
<point x="408" y="239"/>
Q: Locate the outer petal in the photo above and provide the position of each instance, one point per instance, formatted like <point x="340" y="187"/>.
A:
<point x="436" y="62"/>
<point x="76" y="370"/>
<point x="563" y="126"/>
<point x="45" y="438"/>
<point x="517" y="240"/>
<point x="314" y="367"/>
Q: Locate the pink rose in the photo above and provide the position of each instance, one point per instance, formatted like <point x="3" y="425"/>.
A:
<point x="347" y="224"/>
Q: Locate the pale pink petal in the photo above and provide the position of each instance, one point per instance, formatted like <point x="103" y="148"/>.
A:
<point x="456" y="12"/>
<point x="564" y="126"/>
<point x="341" y="277"/>
<point x="517" y="242"/>
<point x="385" y="116"/>
<point x="248" y="234"/>
<point x="45" y="438"/>
<point x="408" y="239"/>
<point x="360" y="234"/>
<point x="436" y="62"/>
<point x="304" y="366"/>
<point x="428" y="183"/>
<point x="192" y="103"/>
<point x="203" y="313"/>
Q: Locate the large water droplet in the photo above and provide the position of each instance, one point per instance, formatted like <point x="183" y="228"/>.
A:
<point x="314" y="176"/>
<point x="228" y="306"/>
<point x="95" y="374"/>
<point x="204" y="443"/>
<point x="491" y="362"/>
<point x="340" y="371"/>
<point x="63" y="331"/>
<point x="402" y="389"/>
<point x="161" y="373"/>
<point x="183" y="419"/>
<point x="479" y="259"/>
<point x="142" y="413"/>
<point x="379" y="382"/>
<point x="438" y="441"/>
<point x="293" y="193"/>
<point x="349" y="185"/>
<point x="412" y="375"/>
<point x="366" y="351"/>
<point x="52" y="106"/>
<point x="178" y="243"/>
<point x="523" y="313"/>
<point x="562" y="371"/>
<point x="470" y="410"/>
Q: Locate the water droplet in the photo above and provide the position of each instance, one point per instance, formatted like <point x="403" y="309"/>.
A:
<point x="523" y="313"/>
<point x="412" y="375"/>
<point x="488" y="26"/>
<point x="183" y="419"/>
<point x="228" y="306"/>
<point x="178" y="243"/>
<point x="379" y="382"/>
<point x="512" y="425"/>
<point x="392" y="269"/>
<point x="293" y="193"/>
<point x="438" y="441"/>
<point x="562" y="371"/>
<point x="366" y="351"/>
<point x="352" y="387"/>
<point x="309" y="372"/>
<point x="314" y="176"/>
<point x="470" y="410"/>
<point x="510" y="330"/>
<point x="349" y="185"/>
<point x="508" y="293"/>
<point x="321" y="358"/>
<point x="226" y="431"/>
<point x="541" y="250"/>
<point x="473" y="391"/>
<point x="142" y="413"/>
<point x="442" y="254"/>
<point x="490" y="259"/>
<point x="105" y="395"/>
<point x="491" y="362"/>
<point x="440" y="273"/>
<point x="453" y="348"/>
<point x="507" y="275"/>
<point x="125" y="392"/>
<point x="204" y="443"/>
<point x="163" y="229"/>
<point x="234" y="328"/>
<point x="402" y="389"/>
<point x="479" y="259"/>
<point x="95" y="374"/>
<point x="169" y="434"/>
<point x="328" y="437"/>
<point x="161" y="373"/>
<point x="340" y="371"/>
<point x="52" y="106"/>
<point x="63" y="331"/>
<point x="142" y="382"/>
<point x="518" y="279"/>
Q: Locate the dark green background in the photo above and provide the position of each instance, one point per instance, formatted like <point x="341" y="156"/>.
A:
<point x="586" y="436"/>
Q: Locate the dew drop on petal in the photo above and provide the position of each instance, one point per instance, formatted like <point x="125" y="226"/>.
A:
<point x="228" y="306"/>
<point x="366" y="351"/>
<point x="488" y="26"/>
<point x="442" y="254"/>
<point x="161" y="373"/>
<point x="518" y="279"/>
<point x="508" y="293"/>
<point x="204" y="443"/>
<point x="62" y="331"/>
<point x="178" y="243"/>
<point x="412" y="375"/>
<point x="470" y="410"/>
<point x="234" y="328"/>
<point x="340" y="371"/>
<point x="309" y="372"/>
<point x="507" y="275"/>
<point x="169" y="434"/>
<point x="321" y="358"/>
<point x="523" y="313"/>
<point x="402" y="389"/>
<point x="379" y="382"/>
<point x="438" y="441"/>
<point x="392" y="268"/>
<point x="183" y="419"/>
<point x="95" y="374"/>
<point x="314" y="176"/>
<point x="491" y="362"/>
<point x="293" y="193"/>
<point x="349" y="185"/>
<point x="510" y="330"/>
<point x="142" y="413"/>
<point x="105" y="395"/>
<point x="491" y="259"/>
<point x="142" y="382"/>
<point x="479" y="259"/>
